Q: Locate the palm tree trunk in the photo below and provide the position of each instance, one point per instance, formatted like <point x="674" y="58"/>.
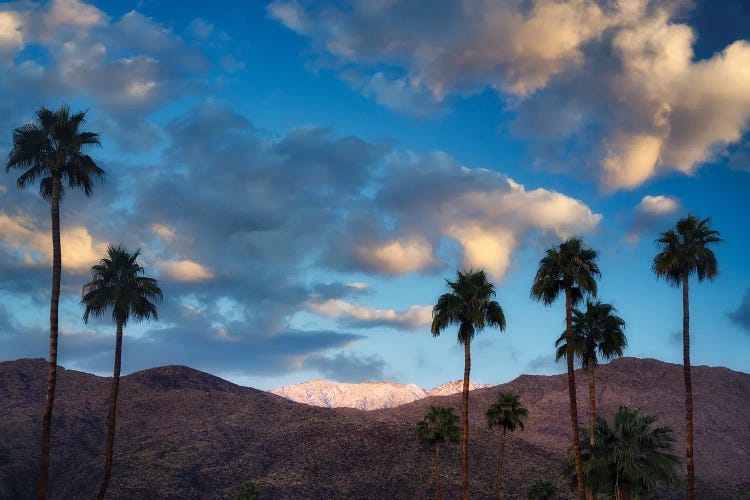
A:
<point x="465" y="421"/>
<point x="112" y="414"/>
<point x="688" y="388"/>
<point x="500" y="464"/>
<point x="572" y="393"/>
<point x="53" y="330"/>
<point x="592" y="415"/>
<point x="437" y="470"/>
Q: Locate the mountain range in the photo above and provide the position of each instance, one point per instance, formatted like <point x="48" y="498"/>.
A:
<point x="365" y="395"/>
<point x="183" y="433"/>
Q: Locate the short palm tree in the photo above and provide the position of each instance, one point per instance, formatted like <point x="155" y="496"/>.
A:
<point x="569" y="268"/>
<point x="508" y="414"/>
<point x="51" y="151"/>
<point x="438" y="426"/>
<point x="542" y="490"/>
<point x="631" y="457"/>
<point x="684" y="252"/>
<point x="469" y="306"/>
<point x="118" y="285"/>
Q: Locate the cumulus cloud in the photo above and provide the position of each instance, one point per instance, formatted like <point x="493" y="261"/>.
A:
<point x="79" y="249"/>
<point x="363" y="316"/>
<point x="397" y="257"/>
<point x="235" y="274"/>
<point x="651" y="213"/>
<point x="184" y="270"/>
<point x="616" y="80"/>
<point x="128" y="66"/>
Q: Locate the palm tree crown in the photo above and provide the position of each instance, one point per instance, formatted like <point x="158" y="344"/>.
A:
<point x="597" y="332"/>
<point x="568" y="266"/>
<point x="631" y="456"/>
<point x="468" y="305"/>
<point x="438" y="426"/>
<point x="684" y="251"/>
<point x="53" y="148"/>
<point x="507" y="412"/>
<point x="117" y="284"/>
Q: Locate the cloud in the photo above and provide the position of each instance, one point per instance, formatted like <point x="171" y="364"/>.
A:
<point x="397" y="257"/>
<point x="612" y="86"/>
<point x="651" y="213"/>
<point x="163" y="231"/>
<point x="355" y="315"/>
<point x="127" y="66"/>
<point x="201" y="28"/>
<point x="543" y="364"/>
<point x="741" y="315"/>
<point x="348" y="367"/>
<point x="79" y="249"/>
<point x="235" y="275"/>
<point x="402" y="96"/>
<point x="184" y="270"/>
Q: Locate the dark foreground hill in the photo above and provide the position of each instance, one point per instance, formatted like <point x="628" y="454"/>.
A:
<point x="186" y="434"/>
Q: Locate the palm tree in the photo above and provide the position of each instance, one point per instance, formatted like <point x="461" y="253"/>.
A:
<point x="118" y="285"/>
<point x="542" y="490"/>
<point x="507" y="413"/>
<point x="572" y="269"/>
<point x="596" y="332"/>
<point x="50" y="150"/>
<point x="631" y="457"/>
<point x="467" y="305"/>
<point x="438" y="426"/>
<point x="684" y="252"/>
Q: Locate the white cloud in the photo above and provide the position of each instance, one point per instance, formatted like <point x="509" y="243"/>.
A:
<point x="619" y="77"/>
<point x="163" y="231"/>
<point x="657" y="205"/>
<point x="398" y="256"/>
<point x="184" y="270"/>
<point x="79" y="249"/>
<point x="413" y="317"/>
<point x="11" y="36"/>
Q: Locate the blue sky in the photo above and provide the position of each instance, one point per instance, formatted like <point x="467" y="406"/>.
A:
<point x="302" y="176"/>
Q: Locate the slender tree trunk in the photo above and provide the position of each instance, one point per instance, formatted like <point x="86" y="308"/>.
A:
<point x="592" y="415"/>
<point x="465" y="421"/>
<point x="500" y="464"/>
<point x="688" y="388"/>
<point x="437" y="470"/>
<point x="112" y="414"/>
<point x="52" y="366"/>
<point x="572" y="393"/>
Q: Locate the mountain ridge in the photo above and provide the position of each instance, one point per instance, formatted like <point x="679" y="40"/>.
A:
<point x="186" y="434"/>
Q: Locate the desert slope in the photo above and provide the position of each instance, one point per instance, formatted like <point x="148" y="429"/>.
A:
<point x="186" y="434"/>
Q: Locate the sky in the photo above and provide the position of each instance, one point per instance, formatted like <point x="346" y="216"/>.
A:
<point x="302" y="177"/>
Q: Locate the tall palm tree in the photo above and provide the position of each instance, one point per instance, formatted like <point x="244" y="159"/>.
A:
<point x="631" y="457"/>
<point x="438" y="426"/>
<point x="684" y="252"/>
<point x="117" y="284"/>
<point x="467" y="305"/>
<point x="569" y="268"/>
<point x="507" y="413"/>
<point x="51" y="151"/>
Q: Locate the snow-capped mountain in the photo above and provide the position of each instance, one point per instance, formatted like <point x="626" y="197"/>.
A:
<point x="365" y="395"/>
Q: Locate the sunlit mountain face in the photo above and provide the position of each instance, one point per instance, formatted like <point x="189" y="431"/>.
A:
<point x="302" y="177"/>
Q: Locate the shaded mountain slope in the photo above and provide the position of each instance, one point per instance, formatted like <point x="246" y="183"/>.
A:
<point x="186" y="434"/>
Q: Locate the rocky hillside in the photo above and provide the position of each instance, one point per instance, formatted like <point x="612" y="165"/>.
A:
<point x="187" y="434"/>
<point x="365" y="395"/>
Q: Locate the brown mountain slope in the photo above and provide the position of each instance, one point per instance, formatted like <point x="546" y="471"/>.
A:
<point x="186" y="434"/>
